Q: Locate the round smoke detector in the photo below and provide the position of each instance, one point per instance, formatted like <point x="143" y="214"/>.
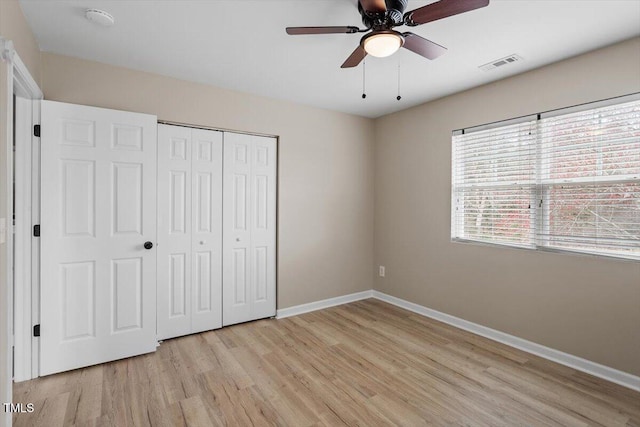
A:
<point x="99" y="17"/>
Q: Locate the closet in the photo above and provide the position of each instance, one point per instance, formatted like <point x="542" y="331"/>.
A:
<point x="216" y="229"/>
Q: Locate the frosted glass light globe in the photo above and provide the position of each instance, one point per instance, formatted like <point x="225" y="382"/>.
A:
<point x="382" y="45"/>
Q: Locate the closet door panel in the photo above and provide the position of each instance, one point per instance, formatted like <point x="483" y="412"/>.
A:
<point x="206" y="245"/>
<point x="249" y="223"/>
<point x="263" y="226"/>
<point x="236" y="305"/>
<point x="174" y="308"/>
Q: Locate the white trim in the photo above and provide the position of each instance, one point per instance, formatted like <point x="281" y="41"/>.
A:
<point x="24" y="84"/>
<point x="325" y="303"/>
<point x="27" y="248"/>
<point x="22" y="241"/>
<point x="23" y="304"/>
<point x="615" y="376"/>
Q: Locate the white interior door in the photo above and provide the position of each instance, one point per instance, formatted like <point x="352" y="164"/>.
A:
<point x="189" y="230"/>
<point x="249" y="228"/>
<point x="98" y="283"/>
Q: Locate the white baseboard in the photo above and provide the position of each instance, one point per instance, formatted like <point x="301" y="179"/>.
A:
<point x="615" y="376"/>
<point x="325" y="303"/>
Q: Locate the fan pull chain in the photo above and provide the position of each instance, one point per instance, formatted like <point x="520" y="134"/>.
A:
<point x="364" y="66"/>
<point x="398" y="97"/>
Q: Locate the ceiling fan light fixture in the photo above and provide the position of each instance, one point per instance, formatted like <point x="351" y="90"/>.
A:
<point x="382" y="43"/>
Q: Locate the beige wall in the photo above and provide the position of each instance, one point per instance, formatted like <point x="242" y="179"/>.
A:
<point x="585" y="306"/>
<point x="325" y="227"/>
<point x="14" y="27"/>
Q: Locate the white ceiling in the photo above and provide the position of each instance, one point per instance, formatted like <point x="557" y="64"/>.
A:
<point x="242" y="44"/>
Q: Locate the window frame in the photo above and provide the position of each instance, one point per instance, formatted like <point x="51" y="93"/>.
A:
<point x="540" y="207"/>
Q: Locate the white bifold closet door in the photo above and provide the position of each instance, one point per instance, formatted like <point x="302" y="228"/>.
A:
<point x="249" y="237"/>
<point x="98" y="228"/>
<point x="189" y="230"/>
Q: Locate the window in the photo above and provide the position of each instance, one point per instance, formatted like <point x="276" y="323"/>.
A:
<point x="564" y="180"/>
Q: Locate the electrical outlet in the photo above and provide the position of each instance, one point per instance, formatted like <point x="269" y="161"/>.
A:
<point x="381" y="271"/>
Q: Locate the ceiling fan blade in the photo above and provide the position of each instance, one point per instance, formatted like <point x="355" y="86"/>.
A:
<point x="296" y="31"/>
<point x="355" y="58"/>
<point x="373" y="5"/>
<point x="422" y="46"/>
<point x="441" y="9"/>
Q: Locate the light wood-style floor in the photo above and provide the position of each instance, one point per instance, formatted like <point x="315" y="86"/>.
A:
<point x="366" y="363"/>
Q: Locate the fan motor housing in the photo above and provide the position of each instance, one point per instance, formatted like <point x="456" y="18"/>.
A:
<point x="395" y="10"/>
<point x="392" y="17"/>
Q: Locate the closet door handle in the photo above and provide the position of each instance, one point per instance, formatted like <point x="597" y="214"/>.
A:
<point x="148" y="245"/>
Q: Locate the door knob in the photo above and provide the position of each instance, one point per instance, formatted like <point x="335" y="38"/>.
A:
<point x="148" y="245"/>
<point x="202" y="242"/>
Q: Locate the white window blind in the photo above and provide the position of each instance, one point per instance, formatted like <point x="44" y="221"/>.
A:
<point x="590" y="180"/>
<point x="566" y="180"/>
<point x="493" y="180"/>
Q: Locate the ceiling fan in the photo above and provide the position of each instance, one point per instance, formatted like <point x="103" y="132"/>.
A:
<point x="381" y="16"/>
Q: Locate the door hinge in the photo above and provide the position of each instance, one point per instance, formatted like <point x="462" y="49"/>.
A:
<point x="36" y="130"/>
<point x="36" y="230"/>
<point x="36" y="330"/>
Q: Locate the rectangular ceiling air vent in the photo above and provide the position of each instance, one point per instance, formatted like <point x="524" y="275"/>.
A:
<point x="501" y="62"/>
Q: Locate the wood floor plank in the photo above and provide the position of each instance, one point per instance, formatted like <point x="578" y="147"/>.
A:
<point x="361" y="364"/>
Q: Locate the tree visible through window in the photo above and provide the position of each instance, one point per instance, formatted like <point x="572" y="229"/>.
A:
<point x="566" y="180"/>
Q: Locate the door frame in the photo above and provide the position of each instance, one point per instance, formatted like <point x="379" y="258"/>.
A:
<point x="26" y="245"/>
<point x="22" y="251"/>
